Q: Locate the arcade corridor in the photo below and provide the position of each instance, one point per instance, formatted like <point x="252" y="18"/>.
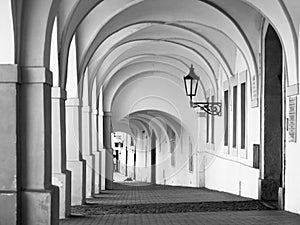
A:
<point x="198" y="99"/>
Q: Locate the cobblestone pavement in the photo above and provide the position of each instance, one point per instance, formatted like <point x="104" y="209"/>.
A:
<point x="143" y="193"/>
<point x="140" y="203"/>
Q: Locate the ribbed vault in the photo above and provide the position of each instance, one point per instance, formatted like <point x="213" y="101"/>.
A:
<point x="122" y="44"/>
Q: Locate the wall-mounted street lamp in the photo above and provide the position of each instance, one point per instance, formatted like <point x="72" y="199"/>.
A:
<point x="191" y="81"/>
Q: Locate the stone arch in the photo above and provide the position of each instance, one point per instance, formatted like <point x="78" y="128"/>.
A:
<point x="281" y="19"/>
<point x="206" y="46"/>
<point x="272" y="130"/>
<point x="35" y="49"/>
<point x="179" y="108"/>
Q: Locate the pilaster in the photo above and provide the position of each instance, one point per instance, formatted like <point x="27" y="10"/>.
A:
<point x="102" y="150"/>
<point x="201" y="142"/>
<point x="108" y="150"/>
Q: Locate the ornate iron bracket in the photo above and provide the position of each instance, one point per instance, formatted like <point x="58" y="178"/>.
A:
<point x="213" y="108"/>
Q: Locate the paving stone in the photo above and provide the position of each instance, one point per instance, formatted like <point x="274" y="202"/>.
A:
<point x="141" y="204"/>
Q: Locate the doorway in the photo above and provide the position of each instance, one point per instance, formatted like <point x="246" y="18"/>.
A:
<point x="272" y="114"/>
<point x="153" y="158"/>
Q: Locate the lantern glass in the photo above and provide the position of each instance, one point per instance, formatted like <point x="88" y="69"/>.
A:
<point x="191" y="83"/>
<point x="194" y="87"/>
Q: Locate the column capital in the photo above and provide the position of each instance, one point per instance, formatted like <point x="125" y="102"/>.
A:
<point x="36" y="75"/>
<point x="58" y="93"/>
<point x="107" y="113"/>
<point x="9" y="73"/>
<point x="73" y="102"/>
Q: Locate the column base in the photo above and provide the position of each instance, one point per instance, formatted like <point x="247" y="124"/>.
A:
<point x="40" y="206"/>
<point x="78" y="179"/>
<point x="8" y="212"/>
<point x="281" y="193"/>
<point x="63" y="182"/>
<point x="108" y="184"/>
<point x="90" y="175"/>
<point x="97" y="172"/>
<point x="269" y="189"/>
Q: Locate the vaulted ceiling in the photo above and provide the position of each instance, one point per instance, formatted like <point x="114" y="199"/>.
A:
<point x="124" y="42"/>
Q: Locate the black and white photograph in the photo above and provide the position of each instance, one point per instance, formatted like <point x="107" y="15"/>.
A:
<point x="149" y="112"/>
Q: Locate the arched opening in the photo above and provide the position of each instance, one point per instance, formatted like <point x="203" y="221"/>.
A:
<point x="124" y="156"/>
<point x="134" y="55"/>
<point x="272" y="108"/>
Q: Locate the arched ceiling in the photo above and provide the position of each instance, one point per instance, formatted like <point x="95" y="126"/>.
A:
<point x="123" y="41"/>
<point x="149" y="120"/>
<point x="152" y="92"/>
<point x="227" y="26"/>
<point x="199" y="26"/>
<point x="177" y="13"/>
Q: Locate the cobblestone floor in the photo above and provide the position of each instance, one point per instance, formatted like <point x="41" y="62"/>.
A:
<point x="140" y="203"/>
<point x="201" y="218"/>
<point x="143" y="193"/>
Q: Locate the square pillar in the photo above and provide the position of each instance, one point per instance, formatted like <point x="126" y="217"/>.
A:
<point x="61" y="177"/>
<point x="101" y="150"/>
<point x="75" y="162"/>
<point x="103" y="168"/>
<point x="87" y="151"/>
<point x="108" y="150"/>
<point x="140" y="157"/>
<point x="95" y="151"/>
<point x="39" y="199"/>
<point x="9" y="150"/>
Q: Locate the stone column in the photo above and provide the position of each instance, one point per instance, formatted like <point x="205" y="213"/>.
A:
<point x="108" y="150"/>
<point x="140" y="157"/>
<point x="87" y="151"/>
<point x="75" y="163"/>
<point x="95" y="151"/>
<point x="9" y="148"/>
<point x="39" y="199"/>
<point x="102" y="150"/>
<point x="61" y="177"/>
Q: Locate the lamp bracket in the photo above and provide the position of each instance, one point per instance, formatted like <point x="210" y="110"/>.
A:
<point x="213" y="108"/>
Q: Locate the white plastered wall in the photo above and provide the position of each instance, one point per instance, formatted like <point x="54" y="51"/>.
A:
<point x="231" y="169"/>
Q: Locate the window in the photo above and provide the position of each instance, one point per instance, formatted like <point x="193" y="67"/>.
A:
<point x="116" y="144"/>
<point x="191" y="166"/>
<point x="131" y="141"/>
<point x="234" y="116"/>
<point x="243" y="115"/>
<point x="226" y="114"/>
<point x="207" y="125"/>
